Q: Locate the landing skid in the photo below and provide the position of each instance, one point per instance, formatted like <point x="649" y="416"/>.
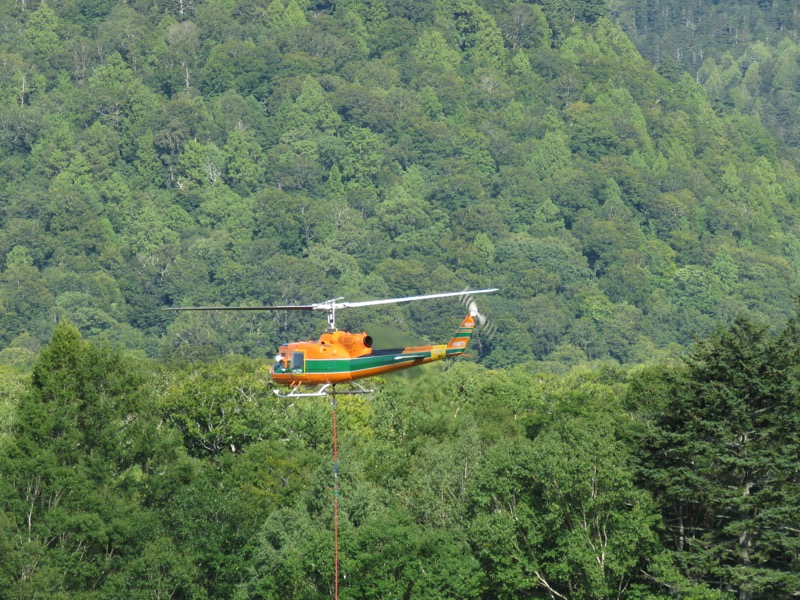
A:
<point x="326" y="389"/>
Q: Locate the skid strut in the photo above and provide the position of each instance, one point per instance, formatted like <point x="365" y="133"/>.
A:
<point x="326" y="389"/>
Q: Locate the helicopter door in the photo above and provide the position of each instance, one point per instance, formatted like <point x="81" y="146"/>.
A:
<point x="298" y="362"/>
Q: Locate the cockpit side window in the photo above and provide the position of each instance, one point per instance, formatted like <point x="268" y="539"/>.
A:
<point x="298" y="361"/>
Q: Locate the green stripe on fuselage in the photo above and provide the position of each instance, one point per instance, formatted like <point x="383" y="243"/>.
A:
<point x="354" y="365"/>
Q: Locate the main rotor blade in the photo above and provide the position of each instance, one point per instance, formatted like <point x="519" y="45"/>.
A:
<point x="334" y="304"/>
<point x="411" y="298"/>
<point x="307" y="307"/>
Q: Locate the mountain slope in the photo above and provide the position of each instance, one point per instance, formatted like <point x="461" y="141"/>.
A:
<point x="227" y="152"/>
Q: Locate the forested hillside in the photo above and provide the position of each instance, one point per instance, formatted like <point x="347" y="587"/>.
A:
<point x="745" y="54"/>
<point x="232" y="152"/>
<point x="691" y="33"/>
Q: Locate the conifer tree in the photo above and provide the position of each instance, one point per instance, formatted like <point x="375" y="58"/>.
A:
<point x="720" y="453"/>
<point x="69" y="476"/>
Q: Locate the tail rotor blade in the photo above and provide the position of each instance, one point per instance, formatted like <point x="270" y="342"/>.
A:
<point x="485" y="325"/>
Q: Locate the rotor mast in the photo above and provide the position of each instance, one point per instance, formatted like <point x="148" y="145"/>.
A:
<point x="329" y="306"/>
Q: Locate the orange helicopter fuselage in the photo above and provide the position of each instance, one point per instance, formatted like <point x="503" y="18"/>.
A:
<point x="340" y="356"/>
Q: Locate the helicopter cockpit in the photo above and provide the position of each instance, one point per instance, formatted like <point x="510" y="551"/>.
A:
<point x="281" y="363"/>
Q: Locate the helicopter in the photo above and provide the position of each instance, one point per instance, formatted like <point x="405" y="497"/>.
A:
<point x="340" y="356"/>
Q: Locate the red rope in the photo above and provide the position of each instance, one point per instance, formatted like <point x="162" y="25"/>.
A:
<point x="335" y="504"/>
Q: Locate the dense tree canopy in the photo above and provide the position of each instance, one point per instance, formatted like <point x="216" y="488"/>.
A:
<point x="220" y="152"/>
<point x="233" y="152"/>
<point x="720" y="445"/>
<point x="121" y="477"/>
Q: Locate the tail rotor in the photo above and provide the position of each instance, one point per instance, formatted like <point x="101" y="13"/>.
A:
<point x="483" y="324"/>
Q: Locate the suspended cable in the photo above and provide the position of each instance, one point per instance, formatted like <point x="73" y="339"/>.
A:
<point x="335" y="501"/>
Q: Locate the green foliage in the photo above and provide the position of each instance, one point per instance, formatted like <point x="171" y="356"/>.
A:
<point x="216" y="412"/>
<point x="287" y="130"/>
<point x="13" y="384"/>
<point x="461" y="482"/>
<point x="227" y="152"/>
<point x="719" y="444"/>
<point x="80" y="445"/>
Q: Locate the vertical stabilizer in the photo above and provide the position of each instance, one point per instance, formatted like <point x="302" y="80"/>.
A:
<point x="458" y="343"/>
